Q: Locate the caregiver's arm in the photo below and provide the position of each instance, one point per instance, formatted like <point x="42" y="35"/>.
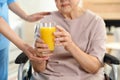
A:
<point x="21" y="13"/>
<point x="13" y="37"/>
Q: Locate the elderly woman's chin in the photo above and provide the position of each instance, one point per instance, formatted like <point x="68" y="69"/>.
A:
<point x="66" y="10"/>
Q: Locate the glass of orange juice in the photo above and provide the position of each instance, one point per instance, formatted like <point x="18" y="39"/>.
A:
<point x="46" y="34"/>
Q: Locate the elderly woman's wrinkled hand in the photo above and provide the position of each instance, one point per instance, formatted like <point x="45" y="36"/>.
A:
<point x="62" y="37"/>
<point x="42" y="48"/>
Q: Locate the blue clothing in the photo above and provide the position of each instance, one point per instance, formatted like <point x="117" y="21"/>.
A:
<point x="4" y="43"/>
<point x="4" y="64"/>
<point x="4" y="14"/>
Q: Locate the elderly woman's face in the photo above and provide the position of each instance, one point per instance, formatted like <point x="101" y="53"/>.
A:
<point x="66" y="6"/>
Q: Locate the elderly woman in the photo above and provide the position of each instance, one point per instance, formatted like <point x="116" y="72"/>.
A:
<point x="80" y="40"/>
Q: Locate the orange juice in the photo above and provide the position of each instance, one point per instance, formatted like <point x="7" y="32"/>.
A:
<point x="46" y="34"/>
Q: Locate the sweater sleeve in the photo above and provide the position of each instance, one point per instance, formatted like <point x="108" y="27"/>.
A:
<point x="97" y="47"/>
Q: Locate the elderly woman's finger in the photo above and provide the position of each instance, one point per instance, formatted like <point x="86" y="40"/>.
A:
<point x="59" y="28"/>
<point x="42" y="50"/>
<point x="41" y="45"/>
<point x="39" y="40"/>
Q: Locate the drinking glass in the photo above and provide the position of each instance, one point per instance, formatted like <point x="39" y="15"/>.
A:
<point x="46" y="34"/>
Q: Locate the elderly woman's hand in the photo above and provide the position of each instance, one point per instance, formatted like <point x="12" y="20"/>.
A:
<point x="62" y="37"/>
<point x="42" y="48"/>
